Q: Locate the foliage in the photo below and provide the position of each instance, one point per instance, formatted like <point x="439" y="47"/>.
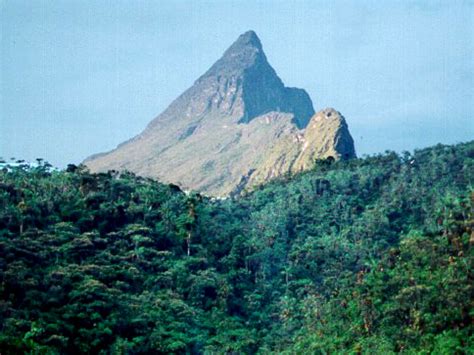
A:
<point x="371" y="255"/>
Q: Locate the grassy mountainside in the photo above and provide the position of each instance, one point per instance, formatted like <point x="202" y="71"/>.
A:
<point x="369" y="255"/>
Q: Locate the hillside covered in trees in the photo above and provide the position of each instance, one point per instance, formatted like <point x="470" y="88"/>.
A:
<point x="370" y="255"/>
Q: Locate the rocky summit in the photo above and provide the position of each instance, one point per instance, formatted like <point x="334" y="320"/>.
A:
<point x="236" y="127"/>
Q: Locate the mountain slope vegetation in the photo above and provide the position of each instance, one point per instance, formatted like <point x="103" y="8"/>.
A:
<point x="369" y="255"/>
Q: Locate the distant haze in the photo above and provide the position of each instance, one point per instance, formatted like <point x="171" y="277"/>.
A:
<point x="79" y="77"/>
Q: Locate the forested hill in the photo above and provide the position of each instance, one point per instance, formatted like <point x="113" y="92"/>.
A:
<point x="369" y="255"/>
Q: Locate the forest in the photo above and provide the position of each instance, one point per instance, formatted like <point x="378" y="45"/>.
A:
<point x="365" y="256"/>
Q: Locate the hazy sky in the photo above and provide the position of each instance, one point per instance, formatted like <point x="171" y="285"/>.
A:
<point x="79" y="77"/>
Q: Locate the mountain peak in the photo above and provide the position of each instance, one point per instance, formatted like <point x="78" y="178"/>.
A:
<point x="249" y="86"/>
<point x="244" y="53"/>
<point x="247" y="39"/>
<point x="236" y="126"/>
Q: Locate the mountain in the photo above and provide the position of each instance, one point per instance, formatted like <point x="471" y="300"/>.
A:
<point x="236" y="127"/>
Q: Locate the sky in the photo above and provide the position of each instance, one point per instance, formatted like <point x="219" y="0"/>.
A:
<point x="80" y="77"/>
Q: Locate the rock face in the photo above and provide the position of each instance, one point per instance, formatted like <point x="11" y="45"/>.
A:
<point x="236" y="127"/>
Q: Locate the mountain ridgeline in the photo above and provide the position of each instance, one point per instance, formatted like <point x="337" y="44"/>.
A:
<point x="237" y="127"/>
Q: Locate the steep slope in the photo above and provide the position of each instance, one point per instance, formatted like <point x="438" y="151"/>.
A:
<point x="237" y="126"/>
<point x="326" y="135"/>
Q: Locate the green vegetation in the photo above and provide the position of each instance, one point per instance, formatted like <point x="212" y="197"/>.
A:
<point x="370" y="255"/>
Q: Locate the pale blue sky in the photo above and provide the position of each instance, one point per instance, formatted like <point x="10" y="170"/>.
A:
<point x="79" y="77"/>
